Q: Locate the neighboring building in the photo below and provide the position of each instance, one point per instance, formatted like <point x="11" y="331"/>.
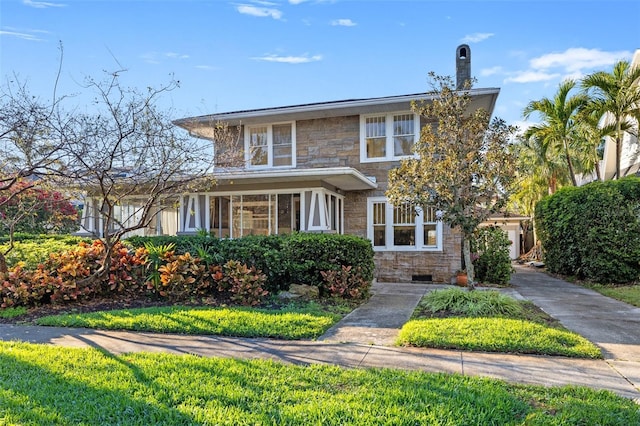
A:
<point x="323" y="167"/>
<point x="630" y="158"/>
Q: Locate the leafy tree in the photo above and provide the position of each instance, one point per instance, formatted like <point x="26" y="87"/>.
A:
<point x="32" y="209"/>
<point x="557" y="132"/>
<point x="464" y="166"/>
<point x="616" y="96"/>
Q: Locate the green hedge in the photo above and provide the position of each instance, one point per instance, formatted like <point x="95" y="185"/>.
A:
<point x="309" y="254"/>
<point x="284" y="259"/>
<point x="593" y="232"/>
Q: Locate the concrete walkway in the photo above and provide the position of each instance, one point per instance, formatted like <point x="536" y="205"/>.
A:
<point x="371" y="328"/>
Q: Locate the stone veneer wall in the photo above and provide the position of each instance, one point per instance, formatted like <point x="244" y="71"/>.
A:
<point x="335" y="142"/>
<point x="328" y="142"/>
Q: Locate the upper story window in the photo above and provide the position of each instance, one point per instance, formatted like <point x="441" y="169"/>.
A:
<point x="388" y="137"/>
<point x="270" y="145"/>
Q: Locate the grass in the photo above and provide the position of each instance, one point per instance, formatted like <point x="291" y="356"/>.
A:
<point x="307" y="322"/>
<point x="12" y="312"/>
<point x="495" y="335"/>
<point x="629" y="293"/>
<point x="492" y="322"/>
<point x="48" y="385"/>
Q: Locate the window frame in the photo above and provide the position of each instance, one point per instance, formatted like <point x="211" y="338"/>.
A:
<point x="389" y="226"/>
<point x="269" y="145"/>
<point x="389" y="135"/>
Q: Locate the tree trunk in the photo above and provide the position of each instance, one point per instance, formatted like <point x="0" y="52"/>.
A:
<point x="466" y="253"/>
<point x="618" y="155"/>
<point x="570" y="165"/>
<point x="3" y="264"/>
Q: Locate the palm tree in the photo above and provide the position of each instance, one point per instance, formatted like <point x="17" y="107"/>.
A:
<point x="616" y="95"/>
<point x="542" y="168"/>
<point x="591" y="134"/>
<point x="558" y="127"/>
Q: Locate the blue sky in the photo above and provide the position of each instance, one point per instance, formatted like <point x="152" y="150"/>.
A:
<point x="236" y="55"/>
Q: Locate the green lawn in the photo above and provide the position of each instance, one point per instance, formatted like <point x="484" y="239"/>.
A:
<point x="489" y="321"/>
<point x="495" y="335"/>
<point x="48" y="385"/>
<point x="629" y="293"/>
<point x="307" y="322"/>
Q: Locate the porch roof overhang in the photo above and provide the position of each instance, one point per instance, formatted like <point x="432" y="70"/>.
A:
<point x="343" y="178"/>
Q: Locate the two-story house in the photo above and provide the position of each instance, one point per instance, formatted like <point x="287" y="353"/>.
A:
<point x="323" y="167"/>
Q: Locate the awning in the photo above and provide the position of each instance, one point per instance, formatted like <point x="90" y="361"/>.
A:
<point x="343" y="178"/>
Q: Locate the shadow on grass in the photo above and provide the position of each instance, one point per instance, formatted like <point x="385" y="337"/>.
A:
<point x="72" y="390"/>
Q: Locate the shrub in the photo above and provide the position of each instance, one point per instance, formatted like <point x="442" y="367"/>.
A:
<point x="154" y="257"/>
<point x="65" y="276"/>
<point x="284" y="259"/>
<point x="347" y="283"/>
<point x="473" y="303"/>
<point x="16" y="288"/>
<point x="181" y="276"/>
<point x="243" y="283"/>
<point x="309" y="254"/>
<point x="493" y="264"/>
<point x="265" y="253"/>
<point x="593" y="232"/>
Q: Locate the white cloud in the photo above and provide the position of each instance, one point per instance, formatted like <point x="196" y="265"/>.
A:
<point x="577" y="59"/>
<point x="41" y="4"/>
<point x="343" y="23"/>
<point x="476" y="37"/>
<point x="491" y="71"/>
<point x="22" y="35"/>
<point x="296" y="1"/>
<point x="522" y="125"/>
<point x="156" y="58"/>
<point x="531" y="77"/>
<point x="174" y="55"/>
<point x="207" y="67"/>
<point x="289" y="59"/>
<point x="261" y="12"/>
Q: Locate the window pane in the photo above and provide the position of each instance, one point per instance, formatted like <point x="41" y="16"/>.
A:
<point x="404" y="230"/>
<point x="379" y="222"/>
<point x="404" y="235"/>
<point x="404" y="215"/>
<point x="430" y="237"/>
<point x="258" y="148"/>
<point x="403" y="134"/>
<point x="285" y="214"/>
<point x="379" y="236"/>
<point x="282" y="155"/>
<point x="375" y="135"/>
<point x="255" y="215"/>
<point x="259" y="156"/>
<point x="375" y="127"/>
<point x="402" y="145"/>
<point x="282" y="145"/>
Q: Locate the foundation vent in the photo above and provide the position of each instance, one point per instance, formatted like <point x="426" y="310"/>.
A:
<point x="422" y="278"/>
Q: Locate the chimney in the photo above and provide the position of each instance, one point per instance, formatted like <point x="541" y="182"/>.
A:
<point x="463" y="65"/>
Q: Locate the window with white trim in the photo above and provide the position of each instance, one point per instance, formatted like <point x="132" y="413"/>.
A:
<point x="387" y="137"/>
<point x="270" y="145"/>
<point x="402" y="228"/>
